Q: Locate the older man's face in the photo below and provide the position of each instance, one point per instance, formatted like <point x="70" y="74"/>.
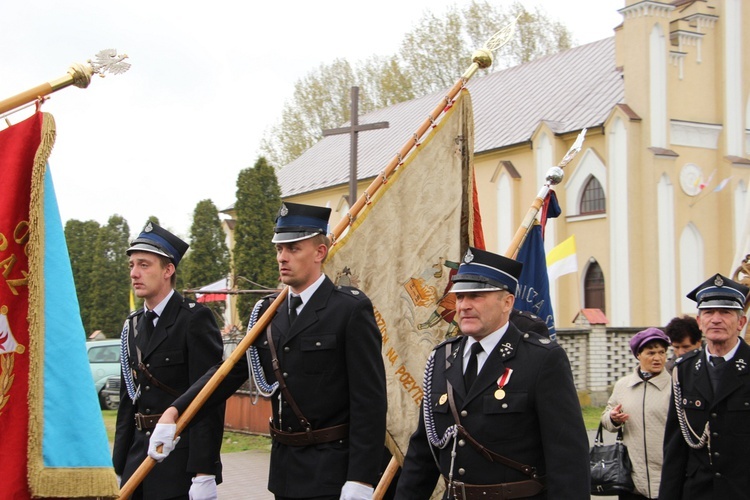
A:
<point x="720" y="326"/>
<point x="481" y="313"/>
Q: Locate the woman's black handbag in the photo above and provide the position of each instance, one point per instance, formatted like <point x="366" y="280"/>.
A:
<point x="610" y="466"/>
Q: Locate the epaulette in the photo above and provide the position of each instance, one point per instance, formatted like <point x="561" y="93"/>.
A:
<point x="538" y="340"/>
<point x="135" y="313"/>
<point x="447" y="341"/>
<point x="687" y="355"/>
<point x="350" y="291"/>
<point x="189" y="304"/>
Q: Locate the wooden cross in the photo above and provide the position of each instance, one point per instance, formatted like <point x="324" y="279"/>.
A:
<point x="353" y="130"/>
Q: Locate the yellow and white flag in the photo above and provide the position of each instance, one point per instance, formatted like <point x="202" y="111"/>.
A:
<point x="562" y="259"/>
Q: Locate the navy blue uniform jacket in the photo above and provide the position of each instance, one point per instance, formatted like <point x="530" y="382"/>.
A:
<point x="185" y="343"/>
<point x="332" y="361"/>
<point x="538" y="422"/>
<point x="691" y="474"/>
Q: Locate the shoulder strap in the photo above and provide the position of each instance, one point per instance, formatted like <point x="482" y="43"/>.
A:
<point x="282" y="383"/>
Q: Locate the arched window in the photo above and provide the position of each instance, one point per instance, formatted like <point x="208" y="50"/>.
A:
<point x="593" y="286"/>
<point x="593" y="200"/>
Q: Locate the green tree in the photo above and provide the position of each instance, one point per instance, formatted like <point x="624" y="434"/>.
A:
<point x="258" y="201"/>
<point x="110" y="283"/>
<point x="81" y="238"/>
<point x="207" y="260"/>
<point x="432" y="56"/>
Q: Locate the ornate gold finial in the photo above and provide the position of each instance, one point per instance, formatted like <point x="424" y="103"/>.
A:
<point x="482" y="58"/>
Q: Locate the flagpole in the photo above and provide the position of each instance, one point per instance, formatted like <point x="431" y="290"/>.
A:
<point x="554" y="176"/>
<point x="78" y="75"/>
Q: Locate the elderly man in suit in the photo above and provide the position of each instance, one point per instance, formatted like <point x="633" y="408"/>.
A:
<point x="321" y="360"/>
<point x="706" y="441"/>
<point x="167" y="345"/>
<point x="501" y="417"/>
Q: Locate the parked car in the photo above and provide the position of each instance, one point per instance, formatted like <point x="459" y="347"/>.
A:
<point x="110" y="393"/>
<point x="104" y="359"/>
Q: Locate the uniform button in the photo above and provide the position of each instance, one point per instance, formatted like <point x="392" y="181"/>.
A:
<point x="148" y="411"/>
<point x="286" y="349"/>
<point x="715" y="434"/>
<point x="713" y="415"/>
<point x="285" y="374"/>
<point x="265" y="342"/>
<point x="166" y="359"/>
<point x="148" y="387"/>
<point x="716" y="453"/>
<point x="505" y="405"/>
<point x="747" y="403"/>
<point x="289" y="429"/>
<point x="284" y="403"/>
<point x="148" y="433"/>
<point x="461" y="442"/>
<point x="718" y="474"/>
<point x="464" y="413"/>
<point x="461" y="471"/>
<point x="148" y="365"/>
<point x="317" y="344"/>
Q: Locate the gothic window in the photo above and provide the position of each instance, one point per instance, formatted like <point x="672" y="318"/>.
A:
<point x="593" y="285"/>
<point x="593" y="200"/>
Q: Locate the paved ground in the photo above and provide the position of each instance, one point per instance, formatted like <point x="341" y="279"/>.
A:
<point x="246" y="474"/>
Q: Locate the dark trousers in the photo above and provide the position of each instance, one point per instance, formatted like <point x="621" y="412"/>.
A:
<point x="335" y="497"/>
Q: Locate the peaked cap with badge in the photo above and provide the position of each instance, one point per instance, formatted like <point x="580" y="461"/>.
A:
<point x="720" y="292"/>
<point x="296" y="222"/>
<point x="482" y="271"/>
<point x="156" y="239"/>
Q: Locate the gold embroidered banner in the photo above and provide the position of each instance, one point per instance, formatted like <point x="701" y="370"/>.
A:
<point x="401" y="252"/>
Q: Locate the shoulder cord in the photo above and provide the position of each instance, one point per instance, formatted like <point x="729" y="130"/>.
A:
<point x="127" y="374"/>
<point x="705" y="438"/>
<point x="429" y="421"/>
<point x="253" y="361"/>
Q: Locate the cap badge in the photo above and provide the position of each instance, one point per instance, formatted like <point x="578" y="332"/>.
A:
<point x="718" y="281"/>
<point x="469" y="256"/>
<point x="148" y="227"/>
<point x="283" y="211"/>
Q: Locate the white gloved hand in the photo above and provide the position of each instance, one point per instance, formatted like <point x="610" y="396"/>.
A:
<point x="203" y="488"/>
<point x="353" y="490"/>
<point x="163" y="435"/>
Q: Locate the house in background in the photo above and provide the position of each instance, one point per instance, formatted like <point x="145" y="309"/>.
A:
<point x="657" y="198"/>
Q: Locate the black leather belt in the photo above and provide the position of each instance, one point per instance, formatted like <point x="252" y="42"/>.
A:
<point x="146" y="422"/>
<point x="310" y="437"/>
<point x="502" y="491"/>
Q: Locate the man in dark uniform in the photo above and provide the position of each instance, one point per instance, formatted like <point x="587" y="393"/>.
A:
<point x="707" y="438"/>
<point x="167" y="346"/>
<point x="328" y="426"/>
<point x="509" y="396"/>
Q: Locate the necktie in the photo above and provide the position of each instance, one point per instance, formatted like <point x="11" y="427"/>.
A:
<point x="294" y="302"/>
<point x="717" y="360"/>
<point x="470" y="375"/>
<point x="148" y="325"/>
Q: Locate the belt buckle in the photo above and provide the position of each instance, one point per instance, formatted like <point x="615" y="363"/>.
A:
<point x="138" y="423"/>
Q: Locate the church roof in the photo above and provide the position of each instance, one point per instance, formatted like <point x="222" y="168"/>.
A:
<point x="568" y="91"/>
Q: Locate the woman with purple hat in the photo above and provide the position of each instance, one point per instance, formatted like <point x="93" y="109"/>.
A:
<point x="639" y="405"/>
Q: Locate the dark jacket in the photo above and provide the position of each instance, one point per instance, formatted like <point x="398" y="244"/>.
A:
<point x="185" y="343"/>
<point x="538" y="422"/>
<point x="690" y="473"/>
<point x="331" y="358"/>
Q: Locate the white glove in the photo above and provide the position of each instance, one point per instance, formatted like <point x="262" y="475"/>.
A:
<point x="163" y="435"/>
<point x="203" y="488"/>
<point x="353" y="490"/>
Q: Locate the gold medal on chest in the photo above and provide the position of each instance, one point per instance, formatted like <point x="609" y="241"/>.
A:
<point x="499" y="394"/>
<point x="443" y="399"/>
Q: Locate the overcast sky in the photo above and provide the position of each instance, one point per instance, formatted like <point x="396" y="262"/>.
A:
<point x="207" y="79"/>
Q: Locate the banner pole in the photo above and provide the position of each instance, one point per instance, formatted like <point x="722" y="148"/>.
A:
<point x="78" y="75"/>
<point x="554" y="176"/>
